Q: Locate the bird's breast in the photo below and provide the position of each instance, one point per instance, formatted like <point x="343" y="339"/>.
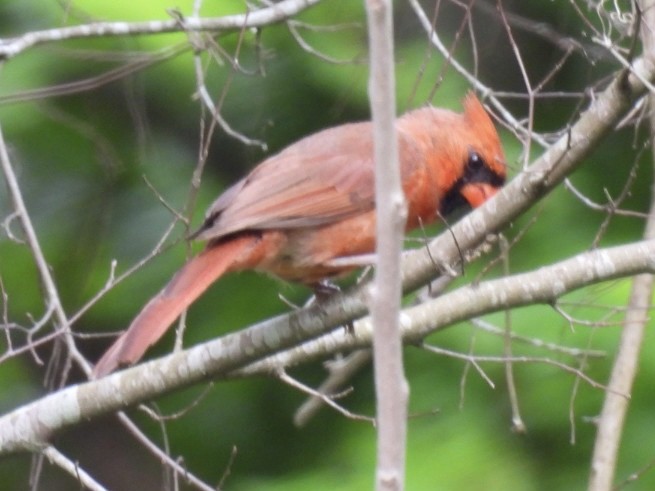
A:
<point x="304" y="254"/>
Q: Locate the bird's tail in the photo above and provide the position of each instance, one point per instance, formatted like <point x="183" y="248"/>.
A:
<point x="185" y="287"/>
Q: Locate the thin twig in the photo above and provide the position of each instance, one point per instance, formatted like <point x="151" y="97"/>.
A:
<point x="52" y="298"/>
<point x="597" y="206"/>
<point x="329" y="400"/>
<point x="486" y="92"/>
<point x="518" y="425"/>
<point x="92" y="83"/>
<point x="153" y="448"/>
<point x="518" y="359"/>
<point x="528" y="85"/>
<point x="114" y="280"/>
<point x="83" y="478"/>
<point x="340" y="371"/>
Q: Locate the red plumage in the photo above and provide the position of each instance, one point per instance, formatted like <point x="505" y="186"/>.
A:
<point x="300" y="212"/>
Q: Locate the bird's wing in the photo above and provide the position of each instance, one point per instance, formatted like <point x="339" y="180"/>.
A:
<point x="320" y="179"/>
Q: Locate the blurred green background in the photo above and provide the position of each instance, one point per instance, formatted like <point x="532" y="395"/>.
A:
<point x="81" y="160"/>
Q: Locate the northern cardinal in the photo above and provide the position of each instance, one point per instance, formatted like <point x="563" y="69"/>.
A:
<point x="303" y="213"/>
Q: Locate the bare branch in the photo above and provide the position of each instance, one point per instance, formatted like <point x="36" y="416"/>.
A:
<point x="518" y="425"/>
<point x="329" y="400"/>
<point x="149" y="445"/>
<point x="91" y="83"/>
<point x="612" y="417"/>
<point x="544" y="175"/>
<point x="80" y="475"/>
<point x="257" y="18"/>
<point x="341" y="370"/>
<point x="391" y="388"/>
<point x="486" y="92"/>
<point x="475" y="360"/>
<point x="52" y="295"/>
<point x="31" y="426"/>
<point x="311" y="334"/>
<point x="538" y="343"/>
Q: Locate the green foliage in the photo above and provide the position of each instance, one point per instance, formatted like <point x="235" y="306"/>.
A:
<point x="81" y="161"/>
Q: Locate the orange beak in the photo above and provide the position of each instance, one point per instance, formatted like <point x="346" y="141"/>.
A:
<point x="477" y="193"/>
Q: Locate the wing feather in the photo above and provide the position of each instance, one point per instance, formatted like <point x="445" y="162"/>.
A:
<point x="322" y="178"/>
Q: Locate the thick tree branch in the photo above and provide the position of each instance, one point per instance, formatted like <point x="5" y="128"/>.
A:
<point x="542" y="286"/>
<point x="31" y="426"/>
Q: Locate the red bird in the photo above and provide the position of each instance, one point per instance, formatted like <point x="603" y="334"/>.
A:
<point x="301" y="212"/>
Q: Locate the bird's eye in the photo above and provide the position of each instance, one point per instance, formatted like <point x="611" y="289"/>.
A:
<point x="475" y="161"/>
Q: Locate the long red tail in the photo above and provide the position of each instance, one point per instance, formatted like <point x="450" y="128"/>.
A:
<point x="162" y="310"/>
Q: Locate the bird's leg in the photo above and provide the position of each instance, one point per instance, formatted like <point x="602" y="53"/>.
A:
<point x="323" y="290"/>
